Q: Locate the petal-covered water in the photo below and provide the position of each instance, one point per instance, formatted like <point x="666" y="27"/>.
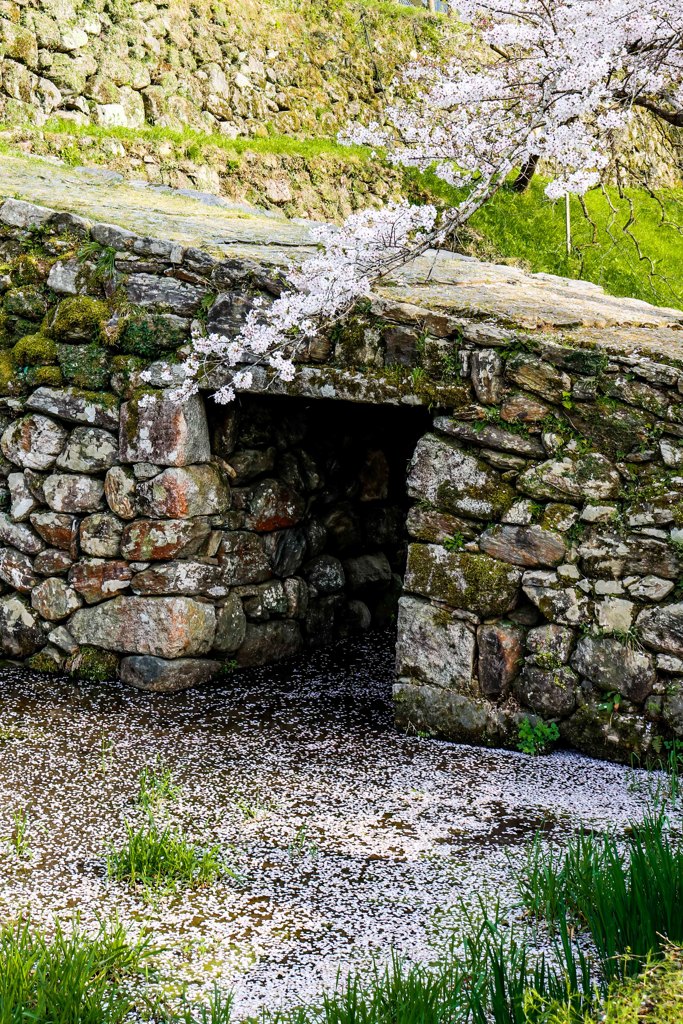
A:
<point x="350" y="839"/>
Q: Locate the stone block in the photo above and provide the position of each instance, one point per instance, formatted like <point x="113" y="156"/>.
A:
<point x="185" y="492"/>
<point x="18" y="535"/>
<point x="119" y="490"/>
<point x="573" y="478"/>
<point x="166" y="627"/>
<point x="88" y="450"/>
<point x="325" y="573"/>
<point x="157" y="540"/>
<point x="472" y="582"/>
<point x="243" y="558"/>
<point x="367" y="571"/>
<point x="52" y="562"/>
<point x="614" y="667"/>
<point x="54" y="599"/>
<point x="73" y="492"/>
<point x="23" y="502"/>
<point x="268" y="642"/>
<point x="231" y="625"/>
<point x="662" y="628"/>
<point x="434" y="646"/>
<point x="551" y="693"/>
<point x="273" y="506"/>
<point x="16" y="570"/>
<point x="529" y="373"/>
<point x="158" y="429"/>
<point x="20" y="631"/>
<point x="442" y="473"/>
<point x="76" y="406"/>
<point x="33" y="442"/>
<point x="528" y="546"/>
<point x="501" y="653"/>
<point x="566" y="605"/>
<point x="59" y="530"/>
<point x="96" y="579"/>
<point x="158" y="675"/>
<point x="100" y="535"/>
<point x="184" y="577"/>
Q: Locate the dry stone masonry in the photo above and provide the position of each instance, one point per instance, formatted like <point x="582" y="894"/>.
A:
<point x="495" y="457"/>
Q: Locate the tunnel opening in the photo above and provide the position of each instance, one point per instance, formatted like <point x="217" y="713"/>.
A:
<point x="317" y="521"/>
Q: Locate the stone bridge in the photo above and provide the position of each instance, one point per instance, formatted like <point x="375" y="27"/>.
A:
<point x="494" y="459"/>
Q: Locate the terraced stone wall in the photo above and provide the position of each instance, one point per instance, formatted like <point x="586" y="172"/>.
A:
<point x="545" y="484"/>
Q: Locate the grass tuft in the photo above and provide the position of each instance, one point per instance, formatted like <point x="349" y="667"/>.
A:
<point x="165" y="860"/>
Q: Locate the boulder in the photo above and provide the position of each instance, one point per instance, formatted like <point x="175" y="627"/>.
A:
<point x="100" y="535"/>
<point x="96" y="579"/>
<point x="119" y="490"/>
<point x="367" y="570"/>
<point x="166" y="627"/>
<point x="268" y="642"/>
<point x="16" y="570"/>
<point x="33" y="442"/>
<point x="73" y="492"/>
<point x="475" y="583"/>
<point x="159" y="675"/>
<point x="231" y="625"/>
<point x="433" y="646"/>
<point x="57" y="529"/>
<point x="573" y="478"/>
<point x="185" y="492"/>
<point x="243" y="559"/>
<point x="325" y="573"/>
<point x="551" y="693"/>
<point x="20" y="631"/>
<point x="612" y="666"/>
<point x="17" y="535"/>
<point x="501" y="653"/>
<point x="184" y="577"/>
<point x="550" y="646"/>
<point x="529" y="546"/>
<point x="557" y="602"/>
<point x="286" y="550"/>
<point x="22" y="500"/>
<point x="273" y="506"/>
<point x="76" y="406"/>
<point x="442" y="473"/>
<point x="156" y="540"/>
<point x="52" y="562"/>
<point x="662" y="628"/>
<point x="88" y="450"/>
<point x="54" y="599"/>
<point x="159" y="429"/>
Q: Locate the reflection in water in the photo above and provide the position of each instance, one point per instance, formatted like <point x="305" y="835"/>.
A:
<point x="350" y="837"/>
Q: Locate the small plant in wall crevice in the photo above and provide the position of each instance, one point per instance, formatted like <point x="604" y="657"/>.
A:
<point x="537" y="737"/>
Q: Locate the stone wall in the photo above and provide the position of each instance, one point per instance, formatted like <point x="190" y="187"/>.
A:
<point x="544" y="470"/>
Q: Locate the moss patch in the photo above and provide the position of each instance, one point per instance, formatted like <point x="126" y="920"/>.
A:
<point x="86" y="366"/>
<point x="94" y="664"/>
<point x="78" y="318"/>
<point x="35" y="350"/>
<point x="462" y="579"/>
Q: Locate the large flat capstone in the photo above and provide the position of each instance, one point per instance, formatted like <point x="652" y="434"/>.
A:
<point x="167" y="627"/>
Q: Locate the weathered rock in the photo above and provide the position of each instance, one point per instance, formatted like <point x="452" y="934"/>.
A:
<point x="248" y="463"/>
<point x="611" y="555"/>
<point x="231" y="625"/>
<point x="179" y="297"/>
<point x="184" y="492"/>
<point x="529" y="373"/>
<point x="263" y="601"/>
<point x="286" y="550"/>
<point x="16" y="570"/>
<point x="562" y="604"/>
<point x="22" y="500"/>
<point x="17" y="535"/>
<point x="158" y="675"/>
<point x="269" y="641"/>
<point x="596" y="731"/>
<point x="52" y="562"/>
<point x="367" y="570"/>
<point x="243" y="559"/>
<point x="161" y="539"/>
<point x="76" y="406"/>
<point x="523" y="409"/>
<point x="73" y="492"/>
<point x="166" y="627"/>
<point x="57" y="530"/>
<point x="614" y="614"/>
<point x="487" y="375"/>
<point x="325" y="573"/>
<point x="119" y="490"/>
<point x="159" y="429"/>
<point x="573" y="478"/>
<point x="650" y="588"/>
<point x="529" y="546"/>
<point x="20" y="632"/>
<point x="100" y="535"/>
<point x="501" y="653"/>
<point x="54" y="600"/>
<point x="183" y="577"/>
<point x="672" y="709"/>
<point x="442" y="473"/>
<point x="549" y="692"/>
<point x="273" y="506"/>
<point x="464" y="580"/>
<point x="433" y="646"/>
<point x="437" y="711"/>
<point x="662" y="628"/>
<point x="612" y="666"/>
<point x="62" y="638"/>
<point x="550" y="646"/>
<point x="97" y="580"/>
<point x="488" y="436"/>
<point x="437" y="527"/>
<point x="33" y="442"/>
<point x="88" y="450"/>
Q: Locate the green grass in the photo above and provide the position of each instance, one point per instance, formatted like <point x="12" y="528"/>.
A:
<point x="69" y="978"/>
<point x="164" y="860"/>
<point x="156" y="787"/>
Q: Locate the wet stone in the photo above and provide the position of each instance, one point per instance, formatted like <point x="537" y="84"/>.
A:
<point x="263" y="601"/>
<point x="158" y="429"/>
<point x="269" y="642"/>
<point x="54" y="600"/>
<point x="243" y="559"/>
<point x="18" y="535"/>
<point x="57" y="529"/>
<point x="549" y="692"/>
<point x="367" y="571"/>
<point x="249" y="463"/>
<point x="162" y="539"/>
<point x="52" y="562"/>
<point x="273" y="506"/>
<point x="296" y="592"/>
<point x="157" y="675"/>
<point x="614" y="667"/>
<point x="16" y="570"/>
<point x="286" y="550"/>
<point x="119" y="490"/>
<point x="100" y="535"/>
<point x="528" y="546"/>
<point x="96" y="579"/>
<point x="325" y="573"/>
<point x="20" y="631"/>
<point x="231" y="625"/>
<point x="73" y="492"/>
<point x="22" y="500"/>
<point x="88" y="450"/>
<point x="185" y="492"/>
<point x="501" y="652"/>
<point x="166" y="627"/>
<point x="33" y="442"/>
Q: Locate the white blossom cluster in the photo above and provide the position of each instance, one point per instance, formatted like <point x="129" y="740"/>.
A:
<point x="555" y="81"/>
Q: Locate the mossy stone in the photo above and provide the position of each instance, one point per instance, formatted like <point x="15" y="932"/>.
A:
<point x="86" y="366"/>
<point x="27" y="302"/>
<point x="10" y="382"/>
<point x="27" y="269"/>
<point x="78" y="318"/>
<point x="94" y="664"/>
<point x="44" y="376"/>
<point x="463" y="579"/>
<point x="44" y="661"/>
<point x="35" y="350"/>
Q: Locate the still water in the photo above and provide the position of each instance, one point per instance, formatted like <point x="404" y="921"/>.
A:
<point x="350" y="839"/>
